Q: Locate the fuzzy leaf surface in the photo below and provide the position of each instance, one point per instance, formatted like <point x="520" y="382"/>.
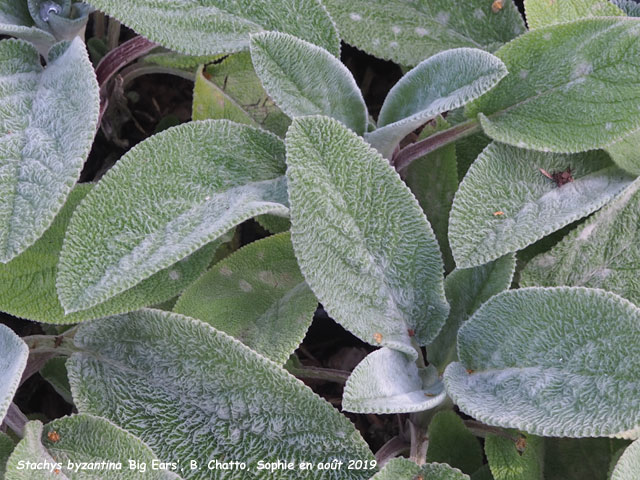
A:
<point x="28" y="282"/>
<point x="505" y="203"/>
<point x="6" y="447"/>
<point x="13" y="358"/>
<point x="48" y="120"/>
<point x="628" y="466"/>
<point x="207" y="27"/>
<point x="363" y="244"/>
<point x="405" y="469"/>
<point x="166" y="198"/>
<point x="191" y="392"/>
<point x="629" y="7"/>
<point x="443" y="82"/>
<point x="466" y="290"/>
<point x="452" y="443"/>
<point x="602" y="253"/>
<point x="626" y="153"/>
<point x="408" y="31"/>
<point x="304" y="79"/>
<point x="16" y="21"/>
<point x="568" y="366"/>
<point x="388" y="381"/>
<point x="256" y="295"/>
<point x="542" y="13"/>
<point x="507" y="462"/>
<point x="77" y="439"/>
<point x="571" y="87"/>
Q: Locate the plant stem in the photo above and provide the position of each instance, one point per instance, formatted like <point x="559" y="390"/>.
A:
<point x="329" y="374"/>
<point x="416" y="150"/>
<point x="121" y="56"/>
<point x="481" y="430"/>
<point x="58" y="344"/>
<point x="419" y="444"/>
<point x="113" y="33"/>
<point x="15" y="420"/>
<point x="391" y="449"/>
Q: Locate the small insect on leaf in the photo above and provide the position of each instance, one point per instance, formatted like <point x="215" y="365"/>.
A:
<point x="377" y="337"/>
<point x="499" y="213"/>
<point x="56" y="471"/>
<point x="561" y="178"/>
<point x="521" y="444"/>
<point x="497" y="5"/>
<point x="53" y="436"/>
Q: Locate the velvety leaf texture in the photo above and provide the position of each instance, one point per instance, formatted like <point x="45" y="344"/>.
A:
<point x="550" y="361"/>
<point x="388" y="381"/>
<point x="191" y="392"/>
<point x="77" y="440"/>
<point x="48" y="119"/>
<point x="628" y="466"/>
<point x="304" y="79"/>
<point x="443" y="82"/>
<point x="167" y="197"/>
<point x="571" y="87"/>
<point x="466" y="290"/>
<point x="630" y="7"/>
<point x="256" y="295"/>
<point x="604" y="252"/>
<point x="452" y="443"/>
<point x="16" y="21"/>
<point x="363" y="243"/>
<point x="206" y="27"/>
<point x="505" y="202"/>
<point x="408" y="31"/>
<point x="508" y="462"/>
<point x="404" y="469"/>
<point x="13" y="359"/>
<point x="38" y="300"/>
<point x="626" y="153"/>
<point x="542" y="13"/>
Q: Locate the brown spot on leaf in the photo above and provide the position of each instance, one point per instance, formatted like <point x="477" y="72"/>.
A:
<point x="53" y="436"/>
<point x="561" y="178"/>
<point x="377" y="337"/>
<point x="499" y="213"/>
<point x="521" y="444"/>
<point x="497" y="5"/>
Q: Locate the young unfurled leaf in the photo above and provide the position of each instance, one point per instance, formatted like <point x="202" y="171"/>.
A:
<point x="522" y="459"/>
<point x="13" y="359"/>
<point x="304" y="79"/>
<point x="258" y="296"/>
<point x="441" y="83"/>
<point x="405" y="469"/>
<point x="47" y="124"/>
<point x="628" y="466"/>
<point x="452" y="443"/>
<point x="388" y="381"/>
<point x="191" y="392"/>
<point x="550" y="361"/>
<point x="16" y="21"/>
<point x="82" y="442"/>
<point x="542" y="13"/>
<point x="510" y="180"/>
<point x="165" y="199"/>
<point x="363" y="243"/>
<point x="409" y="32"/>
<point x="466" y="289"/>
<point x="208" y="27"/>
<point x="571" y="87"/>
<point x="604" y="252"/>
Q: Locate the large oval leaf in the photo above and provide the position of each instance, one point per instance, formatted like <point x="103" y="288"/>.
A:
<point x="551" y="361"/>
<point x="505" y="202"/>
<point x="541" y="13"/>
<point x="571" y="87"/>
<point x="194" y="393"/>
<point x="628" y="466"/>
<point x="207" y="27"/>
<point x="407" y="32"/>
<point x="28" y="282"/>
<point x="604" y="252"/>
<point x="82" y="447"/>
<point x="256" y="295"/>
<point x="166" y="198"/>
<point x="304" y="79"/>
<point x="13" y="358"/>
<point x="48" y="118"/>
<point x="405" y="469"/>
<point x="441" y="83"/>
<point x="364" y="246"/>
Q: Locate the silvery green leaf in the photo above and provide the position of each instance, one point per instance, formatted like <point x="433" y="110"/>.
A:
<point x="509" y="460"/>
<point x="256" y="295"/>
<point x="466" y="290"/>
<point x="407" y="32"/>
<point x="602" y="253"/>
<point x="542" y="13"/>
<point x="628" y="466"/>
<point x="6" y="447"/>
<point x="48" y="118"/>
<point x="16" y="21"/>
<point x="363" y="243"/>
<point x="550" y="361"/>
<point x="571" y="87"/>
<point x="629" y="7"/>
<point x="405" y="469"/>
<point x="62" y="446"/>
<point x="304" y="79"/>
<point x="388" y="381"/>
<point x="208" y="27"/>
<point x="28" y="282"/>
<point x="13" y="359"/>
<point x="505" y="202"/>
<point x="166" y="198"/>
<point x="451" y="442"/>
<point x="191" y="392"/>
<point x="55" y="373"/>
<point x="443" y="82"/>
<point x="169" y="59"/>
<point x="626" y="153"/>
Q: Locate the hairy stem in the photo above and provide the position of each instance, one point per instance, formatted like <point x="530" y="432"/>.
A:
<point x="15" y="420"/>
